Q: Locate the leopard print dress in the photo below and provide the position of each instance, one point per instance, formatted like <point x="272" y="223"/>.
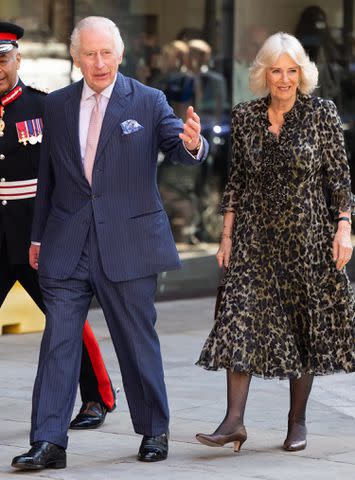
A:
<point x="283" y="308"/>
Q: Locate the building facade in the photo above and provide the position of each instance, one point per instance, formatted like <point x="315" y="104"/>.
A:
<point x="198" y="52"/>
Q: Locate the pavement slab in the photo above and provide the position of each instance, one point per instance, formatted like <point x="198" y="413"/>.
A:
<point x="197" y="403"/>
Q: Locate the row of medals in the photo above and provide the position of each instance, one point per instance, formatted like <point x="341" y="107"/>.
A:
<point x="32" y="140"/>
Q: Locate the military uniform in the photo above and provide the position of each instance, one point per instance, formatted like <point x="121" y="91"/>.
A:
<point x="18" y="169"/>
<point x="21" y="123"/>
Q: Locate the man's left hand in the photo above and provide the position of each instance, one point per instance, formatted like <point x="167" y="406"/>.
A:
<point x="192" y="130"/>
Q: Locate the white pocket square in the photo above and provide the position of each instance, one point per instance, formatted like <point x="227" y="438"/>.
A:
<point x="130" y="126"/>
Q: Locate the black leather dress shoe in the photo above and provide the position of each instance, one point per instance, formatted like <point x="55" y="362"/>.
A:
<point x="41" y="455"/>
<point x="153" y="449"/>
<point x="91" y="415"/>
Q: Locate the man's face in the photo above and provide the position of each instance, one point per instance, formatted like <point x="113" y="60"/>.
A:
<point x="97" y="58"/>
<point x="9" y="64"/>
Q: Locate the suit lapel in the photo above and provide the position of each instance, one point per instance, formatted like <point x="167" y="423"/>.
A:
<point x="115" y="111"/>
<point x="72" y="108"/>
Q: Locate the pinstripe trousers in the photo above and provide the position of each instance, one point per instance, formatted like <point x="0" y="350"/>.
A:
<point x="130" y="315"/>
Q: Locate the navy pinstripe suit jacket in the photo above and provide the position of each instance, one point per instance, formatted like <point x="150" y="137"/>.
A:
<point x="132" y="228"/>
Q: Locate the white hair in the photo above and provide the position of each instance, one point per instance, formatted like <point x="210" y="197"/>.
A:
<point x="274" y="46"/>
<point x="95" y="23"/>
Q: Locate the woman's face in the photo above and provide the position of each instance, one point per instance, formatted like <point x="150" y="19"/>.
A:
<point x="283" y="78"/>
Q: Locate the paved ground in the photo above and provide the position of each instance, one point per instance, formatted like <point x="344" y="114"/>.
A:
<point x="197" y="401"/>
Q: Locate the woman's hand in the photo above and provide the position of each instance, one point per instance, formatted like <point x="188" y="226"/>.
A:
<point x="342" y="247"/>
<point x="224" y="252"/>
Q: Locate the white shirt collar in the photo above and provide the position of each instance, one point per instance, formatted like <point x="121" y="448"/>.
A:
<point x="89" y="92"/>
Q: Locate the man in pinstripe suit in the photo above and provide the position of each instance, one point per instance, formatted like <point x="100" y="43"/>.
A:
<point x="102" y="230"/>
<point x="21" y="112"/>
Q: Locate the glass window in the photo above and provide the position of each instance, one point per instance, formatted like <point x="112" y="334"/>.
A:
<point x="326" y="31"/>
<point x="185" y="49"/>
<point x="198" y="52"/>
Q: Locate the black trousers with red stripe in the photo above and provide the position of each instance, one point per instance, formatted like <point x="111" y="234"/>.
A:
<point x="95" y="383"/>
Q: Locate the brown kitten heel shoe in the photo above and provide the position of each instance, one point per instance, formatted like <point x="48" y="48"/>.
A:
<point x="238" y="437"/>
<point x="296" y="438"/>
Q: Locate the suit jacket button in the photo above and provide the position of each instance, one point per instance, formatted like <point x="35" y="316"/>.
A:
<point x="4" y="202"/>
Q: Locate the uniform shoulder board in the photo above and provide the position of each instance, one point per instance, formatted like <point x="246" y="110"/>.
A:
<point x="38" y="89"/>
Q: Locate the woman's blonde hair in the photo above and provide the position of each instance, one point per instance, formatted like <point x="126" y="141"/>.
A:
<point x="274" y="46"/>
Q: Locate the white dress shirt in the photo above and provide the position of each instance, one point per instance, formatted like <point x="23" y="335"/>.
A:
<point x="87" y="103"/>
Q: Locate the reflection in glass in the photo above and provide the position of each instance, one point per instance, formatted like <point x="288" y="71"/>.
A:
<point x="175" y="47"/>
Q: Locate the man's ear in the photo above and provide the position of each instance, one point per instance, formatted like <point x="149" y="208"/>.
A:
<point x="18" y="60"/>
<point x="75" y="58"/>
<point x="120" y="58"/>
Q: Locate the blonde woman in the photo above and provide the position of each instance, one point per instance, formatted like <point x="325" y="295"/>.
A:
<point x="285" y="307"/>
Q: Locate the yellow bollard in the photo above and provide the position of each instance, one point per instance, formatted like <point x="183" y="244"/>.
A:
<point x="19" y="313"/>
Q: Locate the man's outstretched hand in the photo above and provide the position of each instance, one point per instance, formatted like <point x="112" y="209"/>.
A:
<point x="192" y="130"/>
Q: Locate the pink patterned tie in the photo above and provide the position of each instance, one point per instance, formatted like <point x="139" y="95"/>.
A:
<point x="92" y="138"/>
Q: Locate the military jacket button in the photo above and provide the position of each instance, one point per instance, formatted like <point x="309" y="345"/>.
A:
<point x="2" y="156"/>
<point x="4" y="202"/>
<point x="3" y="179"/>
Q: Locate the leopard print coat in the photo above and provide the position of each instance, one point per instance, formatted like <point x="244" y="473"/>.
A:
<point x="283" y="308"/>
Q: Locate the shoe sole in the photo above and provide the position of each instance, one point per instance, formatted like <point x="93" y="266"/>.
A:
<point x="150" y="460"/>
<point x="208" y="442"/>
<point x="21" y="466"/>
<point x="91" y="427"/>
<point x="295" y="449"/>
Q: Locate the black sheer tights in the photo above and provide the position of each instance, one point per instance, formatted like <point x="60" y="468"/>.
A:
<point x="300" y="389"/>
<point x="237" y="394"/>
